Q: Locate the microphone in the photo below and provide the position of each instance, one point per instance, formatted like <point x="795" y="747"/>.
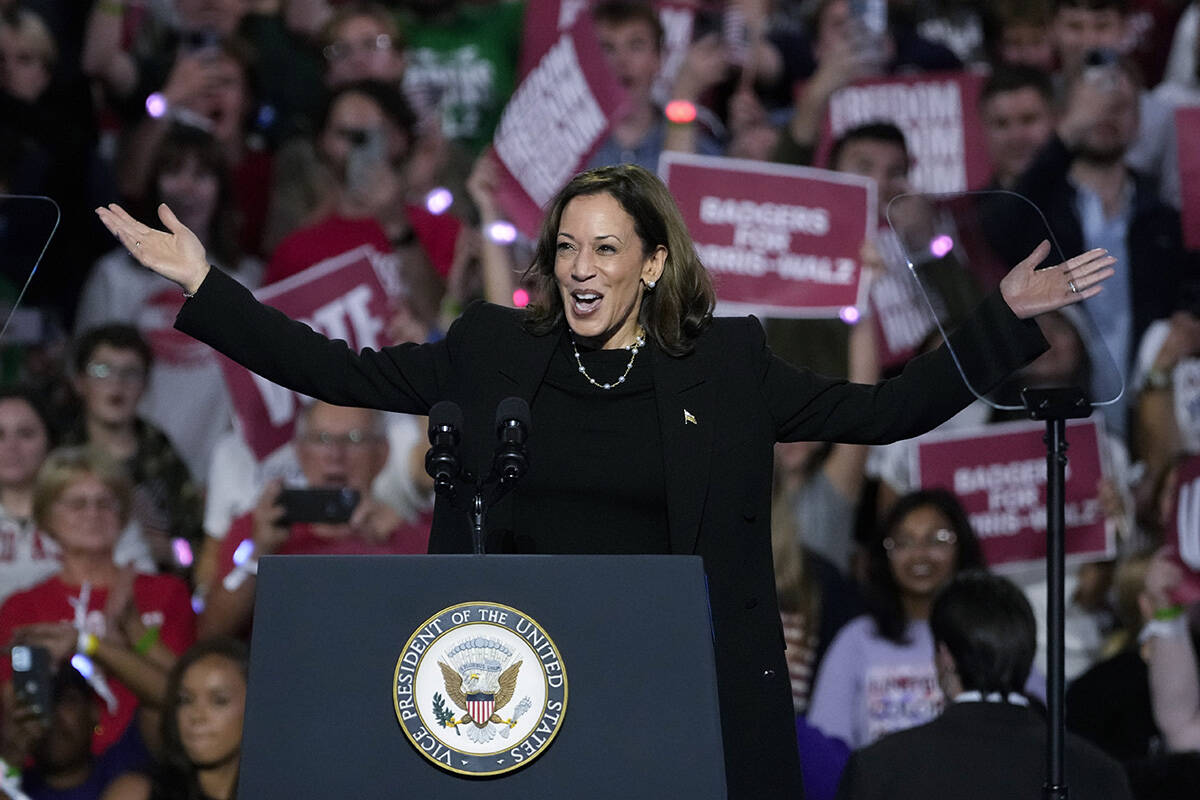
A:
<point x="512" y="429"/>
<point x="441" y="461"/>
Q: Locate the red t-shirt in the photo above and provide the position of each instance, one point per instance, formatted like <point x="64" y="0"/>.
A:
<point x="162" y="600"/>
<point x="252" y="192"/>
<point x="407" y="538"/>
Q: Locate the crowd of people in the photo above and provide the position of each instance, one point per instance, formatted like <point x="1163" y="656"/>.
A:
<point x="287" y="133"/>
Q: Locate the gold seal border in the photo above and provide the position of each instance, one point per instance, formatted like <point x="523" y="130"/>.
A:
<point x="396" y="700"/>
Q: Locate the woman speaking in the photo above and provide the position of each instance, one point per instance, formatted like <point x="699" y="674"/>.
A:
<point x="655" y="421"/>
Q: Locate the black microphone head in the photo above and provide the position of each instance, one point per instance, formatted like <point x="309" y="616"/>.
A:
<point x="512" y="409"/>
<point x="445" y="415"/>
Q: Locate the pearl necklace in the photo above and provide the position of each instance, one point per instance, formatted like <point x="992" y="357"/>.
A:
<point x="638" y="343"/>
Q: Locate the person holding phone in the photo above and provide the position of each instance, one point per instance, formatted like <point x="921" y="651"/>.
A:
<point x="365" y="140"/>
<point x="53" y="749"/>
<point x="340" y="451"/>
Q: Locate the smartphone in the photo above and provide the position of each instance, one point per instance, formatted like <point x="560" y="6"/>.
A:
<point x="366" y="156"/>
<point x="318" y="505"/>
<point x="202" y="41"/>
<point x="33" y="683"/>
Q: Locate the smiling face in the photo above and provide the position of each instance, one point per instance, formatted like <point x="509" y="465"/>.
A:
<point x="922" y="552"/>
<point x="86" y="516"/>
<point x="212" y="704"/>
<point x="600" y="265"/>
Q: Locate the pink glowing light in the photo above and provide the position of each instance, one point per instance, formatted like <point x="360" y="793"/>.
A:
<point x="520" y="298"/>
<point x="849" y="315"/>
<point x="183" y="552"/>
<point x="941" y="245"/>
<point x="156" y="105"/>
<point x="502" y="232"/>
<point x="438" y="200"/>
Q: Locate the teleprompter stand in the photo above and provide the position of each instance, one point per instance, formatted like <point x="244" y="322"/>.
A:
<point x="635" y="638"/>
<point x="1055" y="407"/>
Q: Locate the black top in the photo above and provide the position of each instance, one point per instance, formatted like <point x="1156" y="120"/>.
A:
<point x="574" y="500"/>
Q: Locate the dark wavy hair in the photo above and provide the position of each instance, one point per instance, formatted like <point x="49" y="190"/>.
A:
<point x="680" y="306"/>
<point x="175" y="778"/>
<point x="882" y="592"/>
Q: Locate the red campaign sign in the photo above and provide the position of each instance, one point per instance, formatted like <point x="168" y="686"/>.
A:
<point x="780" y="240"/>
<point x="341" y="297"/>
<point x="1187" y="129"/>
<point x="998" y="473"/>
<point x="939" y="115"/>
<point x="559" y="113"/>
<point x="1183" y="530"/>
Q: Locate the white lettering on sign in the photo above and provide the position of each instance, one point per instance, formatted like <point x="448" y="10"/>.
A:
<point x="930" y="114"/>
<point x="549" y="124"/>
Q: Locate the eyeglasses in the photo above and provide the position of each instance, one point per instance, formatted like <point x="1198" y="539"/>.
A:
<point x="941" y="542"/>
<point x="77" y="505"/>
<point x="352" y="439"/>
<point x="339" y="51"/>
<point x="105" y="372"/>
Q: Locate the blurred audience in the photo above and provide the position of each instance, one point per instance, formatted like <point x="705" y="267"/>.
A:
<point x="186" y="393"/>
<point x="878" y="675"/>
<point x="127" y="626"/>
<point x="988" y="742"/>
<point x="631" y="36"/>
<point x="112" y="369"/>
<point x="56" y="748"/>
<point x="337" y="448"/>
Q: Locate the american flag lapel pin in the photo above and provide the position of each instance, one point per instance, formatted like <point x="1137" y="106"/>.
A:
<point x="688" y="419"/>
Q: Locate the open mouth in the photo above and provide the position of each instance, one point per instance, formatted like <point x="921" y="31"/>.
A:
<point x="585" y="302"/>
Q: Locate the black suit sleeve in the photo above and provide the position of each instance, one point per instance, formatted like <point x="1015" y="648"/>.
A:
<point x="990" y="345"/>
<point x="408" y="377"/>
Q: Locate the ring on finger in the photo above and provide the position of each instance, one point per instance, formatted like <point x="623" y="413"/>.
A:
<point x="1074" y="288"/>
<point x="137" y="244"/>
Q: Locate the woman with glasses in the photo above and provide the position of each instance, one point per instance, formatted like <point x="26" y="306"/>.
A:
<point x="120" y="628"/>
<point x="878" y="676"/>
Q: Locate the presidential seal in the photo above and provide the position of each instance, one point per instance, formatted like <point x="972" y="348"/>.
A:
<point x="480" y="689"/>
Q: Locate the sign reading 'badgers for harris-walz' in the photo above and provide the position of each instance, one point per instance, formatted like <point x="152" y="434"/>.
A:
<point x="480" y="689"/>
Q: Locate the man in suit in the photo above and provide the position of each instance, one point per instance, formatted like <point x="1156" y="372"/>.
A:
<point x="989" y="742"/>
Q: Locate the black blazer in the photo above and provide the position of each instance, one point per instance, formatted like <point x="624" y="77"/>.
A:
<point x="718" y="470"/>
<point x="981" y="751"/>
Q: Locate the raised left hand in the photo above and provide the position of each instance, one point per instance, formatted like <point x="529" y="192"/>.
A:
<point x="1029" y="291"/>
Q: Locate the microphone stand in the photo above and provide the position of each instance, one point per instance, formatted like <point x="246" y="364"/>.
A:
<point x="1055" y="407"/>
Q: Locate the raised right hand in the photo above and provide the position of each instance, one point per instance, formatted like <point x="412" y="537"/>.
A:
<point x="176" y="253"/>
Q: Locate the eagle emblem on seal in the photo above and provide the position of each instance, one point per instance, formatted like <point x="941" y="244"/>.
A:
<point x="480" y="679"/>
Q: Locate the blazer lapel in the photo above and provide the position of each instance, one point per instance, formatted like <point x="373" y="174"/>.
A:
<point x="686" y="418"/>
<point x="525" y="366"/>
